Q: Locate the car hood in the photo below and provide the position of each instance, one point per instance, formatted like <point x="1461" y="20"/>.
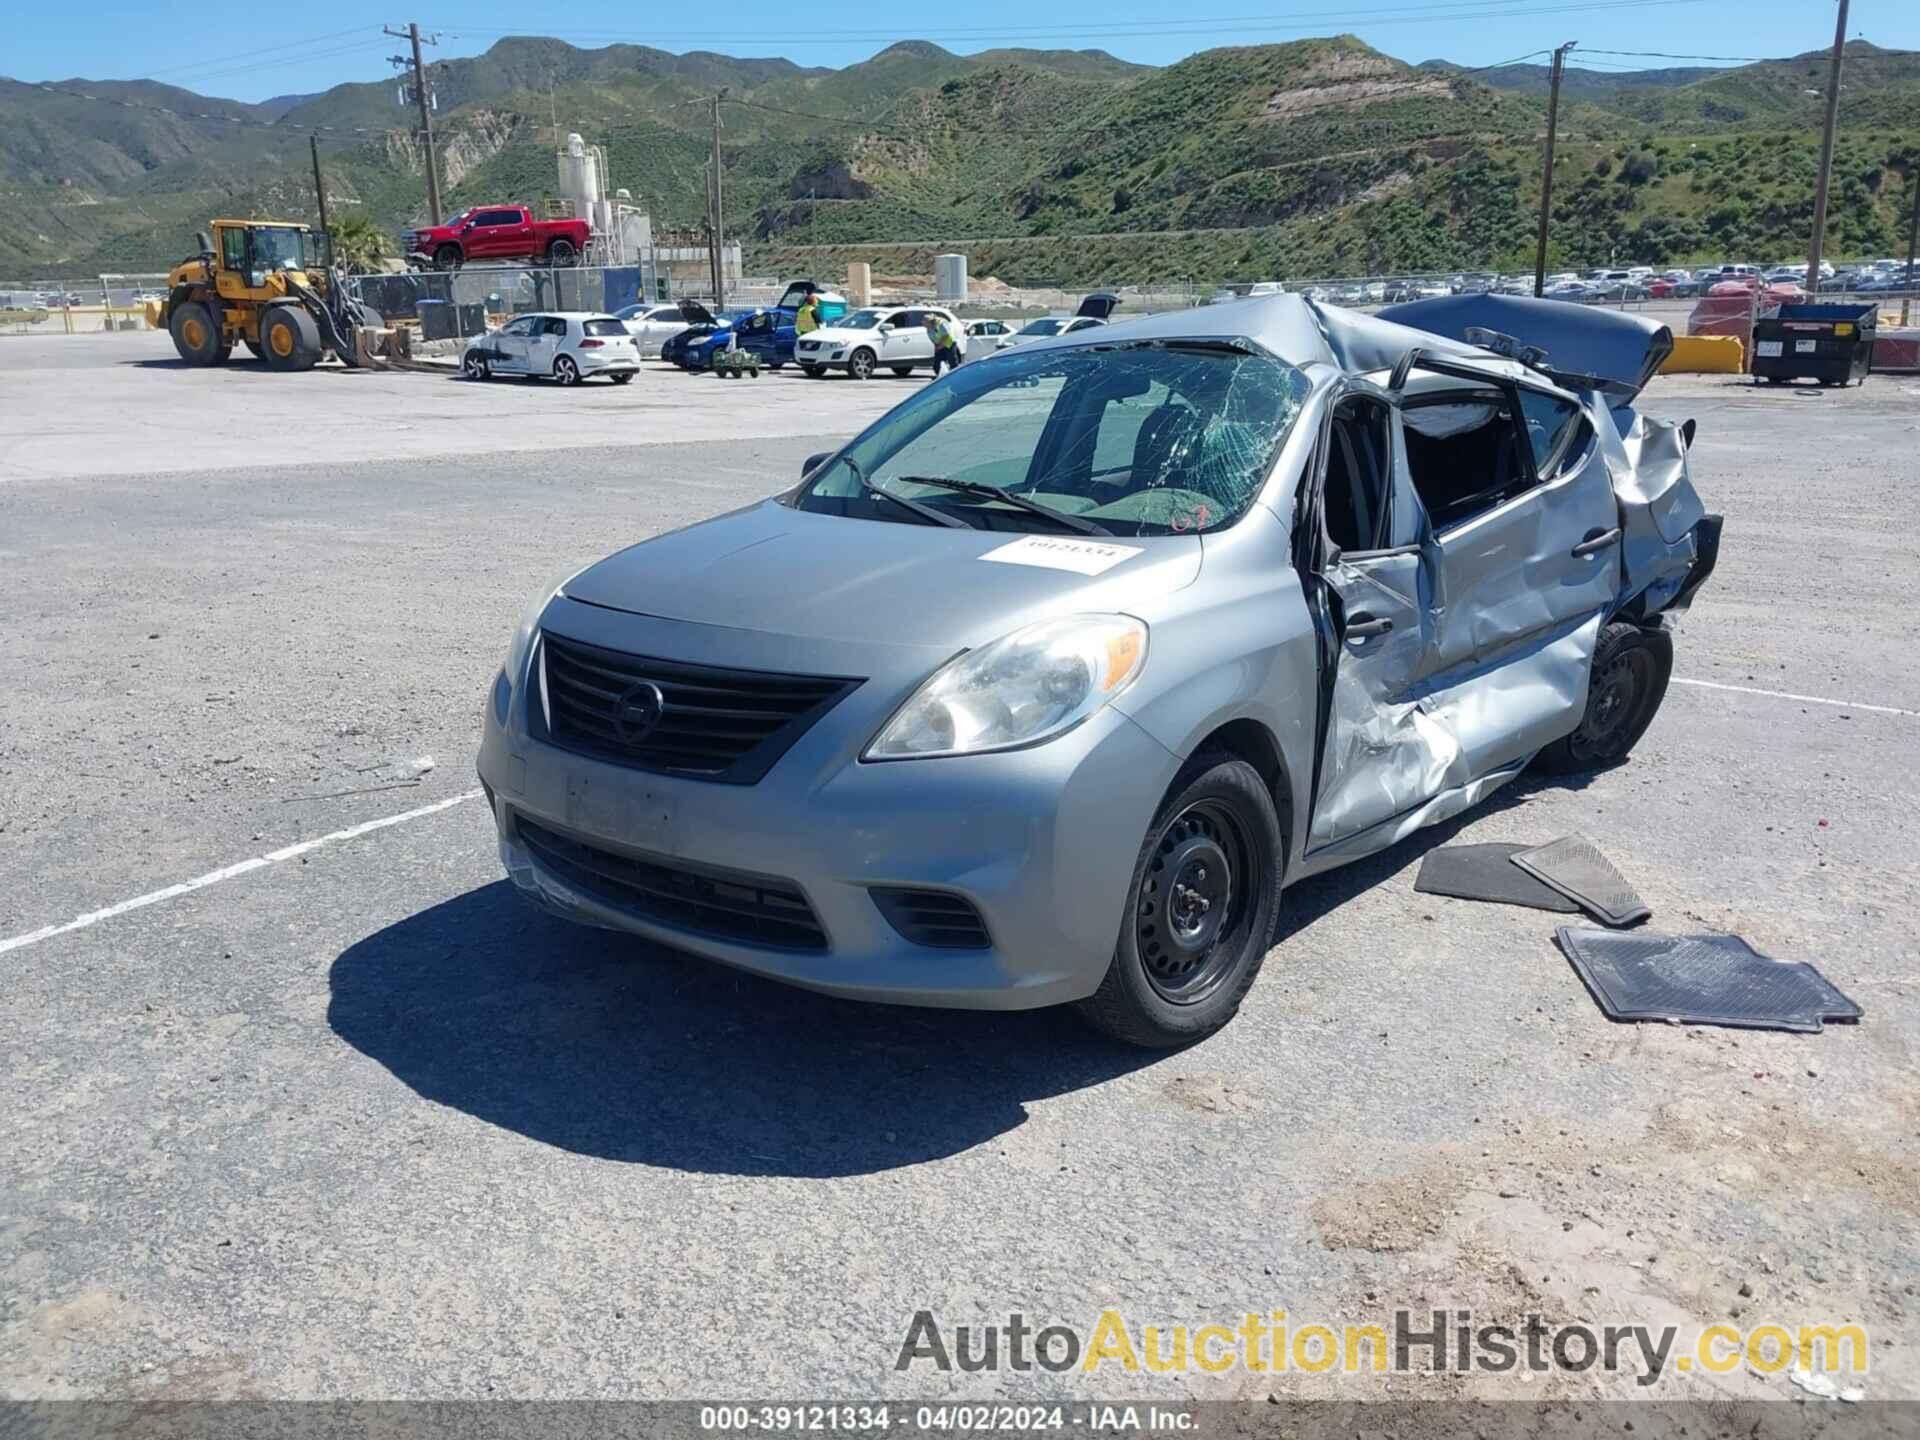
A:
<point x="774" y="569"/>
<point x="836" y="335"/>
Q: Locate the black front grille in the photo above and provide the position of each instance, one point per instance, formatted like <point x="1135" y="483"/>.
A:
<point x="712" y="724"/>
<point x="729" y="904"/>
<point x="933" y="917"/>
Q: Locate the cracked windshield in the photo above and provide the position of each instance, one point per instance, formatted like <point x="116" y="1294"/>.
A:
<point x="1149" y="440"/>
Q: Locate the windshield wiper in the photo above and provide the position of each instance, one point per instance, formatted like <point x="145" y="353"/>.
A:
<point x="1000" y="492"/>
<point x="925" y="512"/>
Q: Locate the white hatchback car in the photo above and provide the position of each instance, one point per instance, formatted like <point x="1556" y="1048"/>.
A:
<point x="862" y="342"/>
<point x="651" y="326"/>
<point x="566" y="345"/>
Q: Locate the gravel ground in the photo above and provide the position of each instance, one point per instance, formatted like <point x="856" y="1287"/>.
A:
<point x="359" y="1124"/>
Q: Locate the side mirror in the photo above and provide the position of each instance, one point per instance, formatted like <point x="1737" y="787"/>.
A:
<point x="1398" y="381"/>
<point x="814" y="462"/>
<point x="886" y="329"/>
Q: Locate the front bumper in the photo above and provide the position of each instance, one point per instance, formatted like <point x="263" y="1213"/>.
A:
<point x="1042" y="841"/>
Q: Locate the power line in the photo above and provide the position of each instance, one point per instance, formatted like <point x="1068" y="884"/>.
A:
<point x="249" y="54"/>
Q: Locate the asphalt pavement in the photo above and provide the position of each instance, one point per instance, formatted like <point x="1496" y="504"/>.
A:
<point x="349" y="1120"/>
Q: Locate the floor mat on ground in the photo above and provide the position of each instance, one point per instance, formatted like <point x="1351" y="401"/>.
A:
<point x="1703" y="979"/>
<point x="1483" y="872"/>
<point x="1574" y="866"/>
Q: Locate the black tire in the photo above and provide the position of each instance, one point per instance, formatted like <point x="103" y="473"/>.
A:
<point x="621" y="379"/>
<point x="1183" y="965"/>
<point x="566" y="370"/>
<point x="860" y="364"/>
<point x="447" y="257"/>
<point x="563" y="252"/>
<point x="902" y="370"/>
<point x="1631" y="667"/>
<point x="289" y="338"/>
<point x="196" y="335"/>
<point x="813" y="372"/>
<point x="474" y="366"/>
<point x="252" y="348"/>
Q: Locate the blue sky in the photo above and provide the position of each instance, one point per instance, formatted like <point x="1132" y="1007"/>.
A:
<point x="252" y="61"/>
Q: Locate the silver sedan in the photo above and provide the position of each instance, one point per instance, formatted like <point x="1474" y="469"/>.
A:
<point x="1046" y="686"/>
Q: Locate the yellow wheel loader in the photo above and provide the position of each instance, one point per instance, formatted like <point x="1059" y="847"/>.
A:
<point x="265" y="284"/>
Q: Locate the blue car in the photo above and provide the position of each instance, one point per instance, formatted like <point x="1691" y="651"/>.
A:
<point x="765" y="331"/>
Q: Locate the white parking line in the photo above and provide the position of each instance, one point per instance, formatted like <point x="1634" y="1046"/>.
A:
<point x="352" y="832"/>
<point x="1808" y="699"/>
<point x="214" y="877"/>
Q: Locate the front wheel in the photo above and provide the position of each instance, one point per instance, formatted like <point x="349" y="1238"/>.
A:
<point x="860" y="364"/>
<point x="1631" y="668"/>
<point x="447" y="257"/>
<point x="566" y="371"/>
<point x="474" y="367"/>
<point x="1201" y="910"/>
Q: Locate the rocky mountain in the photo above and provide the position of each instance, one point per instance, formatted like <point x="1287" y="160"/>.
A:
<point x="1315" y="156"/>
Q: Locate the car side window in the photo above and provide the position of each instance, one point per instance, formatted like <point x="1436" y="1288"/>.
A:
<point x="518" y="327"/>
<point x="555" y="327"/>
<point x="900" y="319"/>
<point x="1356" y="494"/>
<point x="1556" y="430"/>
<point x="1464" y="454"/>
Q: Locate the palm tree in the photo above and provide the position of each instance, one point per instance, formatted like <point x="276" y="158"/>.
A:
<point x="359" y="244"/>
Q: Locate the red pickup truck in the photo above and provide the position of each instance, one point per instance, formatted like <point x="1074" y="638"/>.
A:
<point x="496" y="232"/>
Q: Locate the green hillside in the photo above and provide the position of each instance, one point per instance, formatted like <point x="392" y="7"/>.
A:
<point x="1315" y="157"/>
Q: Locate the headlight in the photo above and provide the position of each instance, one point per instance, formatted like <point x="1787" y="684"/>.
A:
<point x="1023" y="688"/>
<point x="522" y="643"/>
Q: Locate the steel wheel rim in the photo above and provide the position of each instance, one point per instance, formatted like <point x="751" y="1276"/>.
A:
<point x="280" y="340"/>
<point x="1195" y="903"/>
<point x="193" y="333"/>
<point x="1615" y="696"/>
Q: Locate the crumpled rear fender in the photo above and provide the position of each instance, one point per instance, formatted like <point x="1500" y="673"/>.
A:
<point x="1669" y="542"/>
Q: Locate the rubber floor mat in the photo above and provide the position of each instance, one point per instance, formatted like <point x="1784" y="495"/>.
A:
<point x="1484" y="872"/>
<point x="1702" y="979"/>
<point x="1574" y="866"/>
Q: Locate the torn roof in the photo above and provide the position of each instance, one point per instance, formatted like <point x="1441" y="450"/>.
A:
<point x="1580" y="341"/>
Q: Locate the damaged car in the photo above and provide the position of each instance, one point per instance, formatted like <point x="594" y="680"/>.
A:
<point x="1046" y="686"/>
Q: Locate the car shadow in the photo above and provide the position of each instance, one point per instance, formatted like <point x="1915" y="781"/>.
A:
<point x="606" y="1045"/>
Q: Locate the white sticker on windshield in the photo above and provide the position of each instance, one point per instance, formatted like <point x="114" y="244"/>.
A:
<point x="1083" y="557"/>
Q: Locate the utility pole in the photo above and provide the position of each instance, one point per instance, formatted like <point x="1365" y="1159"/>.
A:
<point x="320" y="193"/>
<point x="1546" y="172"/>
<point x="412" y="33"/>
<point x="715" y="245"/>
<point x="1826" y="152"/>
<point x="1913" y="243"/>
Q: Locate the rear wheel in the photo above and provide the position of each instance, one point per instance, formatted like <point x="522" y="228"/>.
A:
<point x="1202" y="909"/>
<point x="860" y="364"/>
<point x="902" y="369"/>
<point x="1631" y="668"/>
<point x="289" y="338"/>
<point x="566" y="371"/>
<point x="196" y="334"/>
<point x="563" y="252"/>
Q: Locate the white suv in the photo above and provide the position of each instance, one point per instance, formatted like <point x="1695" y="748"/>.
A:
<point x="864" y="341"/>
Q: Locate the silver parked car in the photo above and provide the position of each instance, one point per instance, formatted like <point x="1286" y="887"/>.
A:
<point x="1047" y="685"/>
